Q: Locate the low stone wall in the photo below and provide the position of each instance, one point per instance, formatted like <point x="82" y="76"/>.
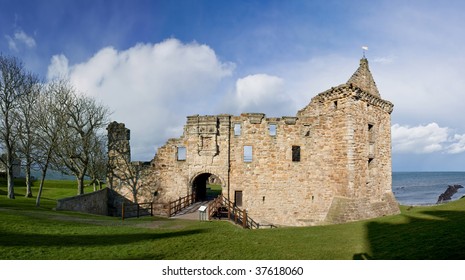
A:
<point x="93" y="203"/>
<point x="345" y="209"/>
<point x="107" y="202"/>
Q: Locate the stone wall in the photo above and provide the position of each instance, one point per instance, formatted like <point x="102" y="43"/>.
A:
<point x="102" y="202"/>
<point x="93" y="203"/>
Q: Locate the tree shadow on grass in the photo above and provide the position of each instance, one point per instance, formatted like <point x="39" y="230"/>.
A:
<point x="440" y="236"/>
<point x="10" y="239"/>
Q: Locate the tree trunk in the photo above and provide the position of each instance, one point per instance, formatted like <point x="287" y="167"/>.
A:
<point x="28" y="180"/>
<point x="134" y="195"/>
<point x="9" y="179"/>
<point x="80" y="181"/>
<point x="39" y="194"/>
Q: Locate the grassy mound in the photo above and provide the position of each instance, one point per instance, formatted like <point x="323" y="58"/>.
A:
<point x="26" y="232"/>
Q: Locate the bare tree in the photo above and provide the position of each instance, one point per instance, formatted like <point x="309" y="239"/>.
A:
<point x="12" y="87"/>
<point x="49" y="120"/>
<point x="129" y="175"/>
<point x="97" y="169"/>
<point x="26" y="125"/>
<point x="83" y="118"/>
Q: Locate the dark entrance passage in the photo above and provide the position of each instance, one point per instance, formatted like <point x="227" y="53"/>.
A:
<point x="202" y="189"/>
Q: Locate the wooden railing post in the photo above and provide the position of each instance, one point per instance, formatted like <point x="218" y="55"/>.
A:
<point x="244" y="219"/>
<point x="122" y="211"/>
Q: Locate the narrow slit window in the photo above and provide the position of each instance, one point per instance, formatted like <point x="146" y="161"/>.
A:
<point x="247" y="153"/>
<point x="272" y="129"/>
<point x="237" y="129"/>
<point x="371" y="133"/>
<point x="295" y="153"/>
<point x="181" y="153"/>
<point x="371" y="141"/>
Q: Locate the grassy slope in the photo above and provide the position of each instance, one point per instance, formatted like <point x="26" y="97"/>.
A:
<point x="30" y="233"/>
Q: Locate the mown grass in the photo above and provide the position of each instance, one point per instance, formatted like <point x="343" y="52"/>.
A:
<point x="434" y="232"/>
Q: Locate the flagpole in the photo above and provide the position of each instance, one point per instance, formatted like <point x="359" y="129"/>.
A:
<point x="364" y="48"/>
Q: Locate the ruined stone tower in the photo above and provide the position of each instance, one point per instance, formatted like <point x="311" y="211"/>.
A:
<point x="119" y="152"/>
<point x="331" y="163"/>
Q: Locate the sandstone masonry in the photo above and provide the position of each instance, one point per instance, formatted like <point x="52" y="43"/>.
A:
<point x="331" y="163"/>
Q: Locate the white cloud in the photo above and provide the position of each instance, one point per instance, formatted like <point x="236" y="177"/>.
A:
<point x="150" y="87"/>
<point x="458" y="146"/>
<point x="20" y="38"/>
<point x="425" y="139"/>
<point x="306" y="78"/>
<point x="384" y="59"/>
<point x="27" y="40"/>
<point x="58" y="67"/>
<point x="261" y="93"/>
<point x="11" y="43"/>
<point x="419" y="139"/>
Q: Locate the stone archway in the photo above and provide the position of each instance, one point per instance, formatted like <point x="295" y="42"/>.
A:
<point x="199" y="186"/>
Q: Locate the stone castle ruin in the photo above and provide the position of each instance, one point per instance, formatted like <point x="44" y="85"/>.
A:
<point x="330" y="163"/>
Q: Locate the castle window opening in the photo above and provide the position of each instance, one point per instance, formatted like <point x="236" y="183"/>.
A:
<point x="272" y="129"/>
<point x="371" y="141"/>
<point x="295" y="153"/>
<point x="247" y="153"/>
<point x="307" y="130"/>
<point x="181" y="153"/>
<point x="237" y="129"/>
<point x="371" y="134"/>
<point x="335" y="105"/>
<point x="238" y="198"/>
<point x="370" y="162"/>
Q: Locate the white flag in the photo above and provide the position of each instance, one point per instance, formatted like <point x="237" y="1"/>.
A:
<point x="365" y="48"/>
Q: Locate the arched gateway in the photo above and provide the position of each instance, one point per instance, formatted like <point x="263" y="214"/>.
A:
<point x="201" y="186"/>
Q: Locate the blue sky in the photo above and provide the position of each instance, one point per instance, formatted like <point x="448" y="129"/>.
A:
<point x="155" y="62"/>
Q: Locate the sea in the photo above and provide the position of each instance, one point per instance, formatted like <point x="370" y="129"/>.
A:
<point x="424" y="188"/>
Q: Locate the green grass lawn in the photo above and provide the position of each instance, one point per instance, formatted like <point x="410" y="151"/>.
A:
<point x="213" y="190"/>
<point x="434" y="232"/>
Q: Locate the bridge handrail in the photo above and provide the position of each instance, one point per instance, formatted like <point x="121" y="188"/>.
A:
<point x="177" y="205"/>
<point x="142" y="209"/>
<point x="234" y="213"/>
